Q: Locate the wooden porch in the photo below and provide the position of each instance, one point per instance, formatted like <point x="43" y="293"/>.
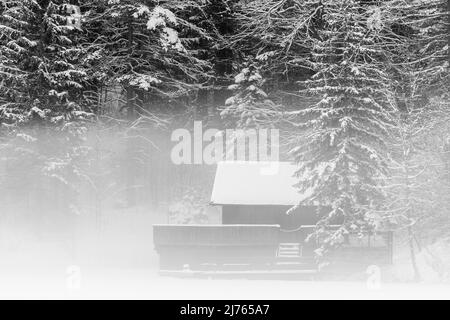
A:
<point x="240" y="249"/>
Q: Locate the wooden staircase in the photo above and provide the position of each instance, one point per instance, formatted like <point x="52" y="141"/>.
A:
<point x="289" y="250"/>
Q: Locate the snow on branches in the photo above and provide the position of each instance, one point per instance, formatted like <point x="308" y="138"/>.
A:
<point x="250" y="106"/>
<point x="342" y="146"/>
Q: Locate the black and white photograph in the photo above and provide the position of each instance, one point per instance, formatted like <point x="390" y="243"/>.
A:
<point x="227" y="150"/>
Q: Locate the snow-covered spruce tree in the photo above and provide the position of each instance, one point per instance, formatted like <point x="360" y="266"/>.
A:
<point x="41" y="71"/>
<point x="420" y="80"/>
<point x="250" y="106"/>
<point x="414" y="188"/>
<point x="145" y="53"/>
<point x="274" y="29"/>
<point x="43" y="108"/>
<point x="341" y="145"/>
<point x="421" y="57"/>
<point x="148" y="51"/>
<point x="43" y="76"/>
<point x="429" y="55"/>
<point x="215" y="17"/>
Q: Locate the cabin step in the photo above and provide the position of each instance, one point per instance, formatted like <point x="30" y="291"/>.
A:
<point x="289" y="250"/>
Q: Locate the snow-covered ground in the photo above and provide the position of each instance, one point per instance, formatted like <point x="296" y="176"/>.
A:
<point x="123" y="264"/>
<point x="147" y="284"/>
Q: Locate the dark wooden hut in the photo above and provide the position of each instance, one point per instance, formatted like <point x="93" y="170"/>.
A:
<point x="257" y="233"/>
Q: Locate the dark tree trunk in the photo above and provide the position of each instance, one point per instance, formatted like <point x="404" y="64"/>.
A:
<point x="130" y="91"/>
<point x="130" y="147"/>
<point x="448" y="31"/>
<point x="417" y="276"/>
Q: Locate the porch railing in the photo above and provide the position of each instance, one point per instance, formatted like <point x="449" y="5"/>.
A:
<point x="215" y="235"/>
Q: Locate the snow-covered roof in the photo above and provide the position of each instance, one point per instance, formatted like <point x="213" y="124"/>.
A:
<point x="255" y="183"/>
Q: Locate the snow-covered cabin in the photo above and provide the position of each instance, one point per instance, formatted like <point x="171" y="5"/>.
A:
<point x="251" y="192"/>
<point x="256" y="229"/>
